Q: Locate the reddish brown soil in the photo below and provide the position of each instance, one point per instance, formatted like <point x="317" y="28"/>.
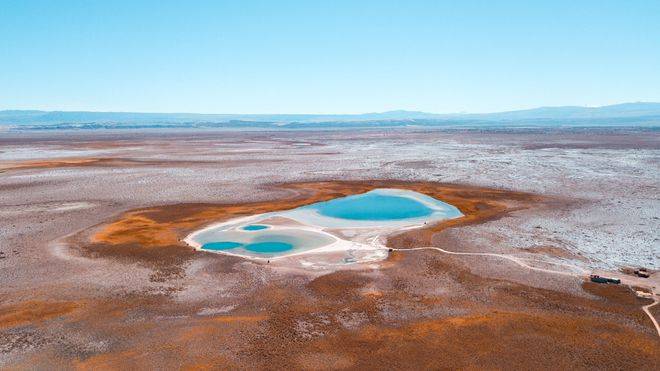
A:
<point x="417" y="310"/>
<point x="555" y="251"/>
<point x="109" y="162"/>
<point x="32" y="312"/>
<point x="71" y="162"/>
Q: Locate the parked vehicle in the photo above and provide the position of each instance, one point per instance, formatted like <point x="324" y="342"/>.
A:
<point x="598" y="279"/>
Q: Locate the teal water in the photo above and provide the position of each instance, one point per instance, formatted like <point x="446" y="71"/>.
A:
<point x="260" y="247"/>
<point x="262" y="242"/>
<point x="254" y="227"/>
<point x="222" y="245"/>
<point x="268" y="247"/>
<point x="373" y="206"/>
<point x="378" y="208"/>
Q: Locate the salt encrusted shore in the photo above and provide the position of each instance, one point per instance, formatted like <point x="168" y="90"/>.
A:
<point x="358" y="235"/>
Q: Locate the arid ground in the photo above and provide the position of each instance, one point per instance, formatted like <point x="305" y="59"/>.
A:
<point x="94" y="273"/>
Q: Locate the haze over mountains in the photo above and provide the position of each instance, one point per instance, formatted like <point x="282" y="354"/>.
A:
<point x="626" y="114"/>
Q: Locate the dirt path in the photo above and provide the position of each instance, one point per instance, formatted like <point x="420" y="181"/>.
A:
<point x="513" y="259"/>
<point x="647" y="310"/>
<point x="521" y="263"/>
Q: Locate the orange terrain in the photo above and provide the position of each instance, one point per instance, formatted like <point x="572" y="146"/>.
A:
<point x="414" y="310"/>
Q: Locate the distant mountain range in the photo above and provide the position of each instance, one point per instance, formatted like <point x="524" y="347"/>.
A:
<point x="640" y="109"/>
<point x="644" y="113"/>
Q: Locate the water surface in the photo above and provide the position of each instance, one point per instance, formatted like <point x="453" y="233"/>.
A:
<point x="373" y="206"/>
<point x="311" y="225"/>
<point x="255" y="227"/>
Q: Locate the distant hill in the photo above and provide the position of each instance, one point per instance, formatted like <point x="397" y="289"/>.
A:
<point x="574" y="112"/>
<point x="644" y="113"/>
<point x="16" y="117"/>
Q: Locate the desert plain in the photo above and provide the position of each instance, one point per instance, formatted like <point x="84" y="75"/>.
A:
<point x="94" y="272"/>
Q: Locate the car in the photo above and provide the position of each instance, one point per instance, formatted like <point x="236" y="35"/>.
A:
<point x="598" y="279"/>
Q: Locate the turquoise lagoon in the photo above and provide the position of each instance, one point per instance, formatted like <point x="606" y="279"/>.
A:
<point x="373" y="206"/>
<point x="378" y="208"/>
<point x="314" y="226"/>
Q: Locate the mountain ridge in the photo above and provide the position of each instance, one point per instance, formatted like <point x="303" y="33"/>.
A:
<point x="18" y="118"/>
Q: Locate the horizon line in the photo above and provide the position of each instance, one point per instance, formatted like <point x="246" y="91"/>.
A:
<point x="329" y="114"/>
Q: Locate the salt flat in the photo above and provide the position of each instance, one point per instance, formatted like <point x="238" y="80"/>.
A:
<point x="577" y="201"/>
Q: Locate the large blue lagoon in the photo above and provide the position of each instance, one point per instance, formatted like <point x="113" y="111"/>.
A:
<point x="377" y="208"/>
<point x="323" y="226"/>
<point x="373" y="206"/>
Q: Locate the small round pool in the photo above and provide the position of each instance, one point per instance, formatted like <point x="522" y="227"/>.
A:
<point x="254" y="227"/>
<point x="263" y="243"/>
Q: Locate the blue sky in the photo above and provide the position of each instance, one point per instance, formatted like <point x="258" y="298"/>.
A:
<point x="326" y="56"/>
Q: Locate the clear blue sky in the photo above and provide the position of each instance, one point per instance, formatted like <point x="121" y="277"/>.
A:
<point x="326" y="56"/>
